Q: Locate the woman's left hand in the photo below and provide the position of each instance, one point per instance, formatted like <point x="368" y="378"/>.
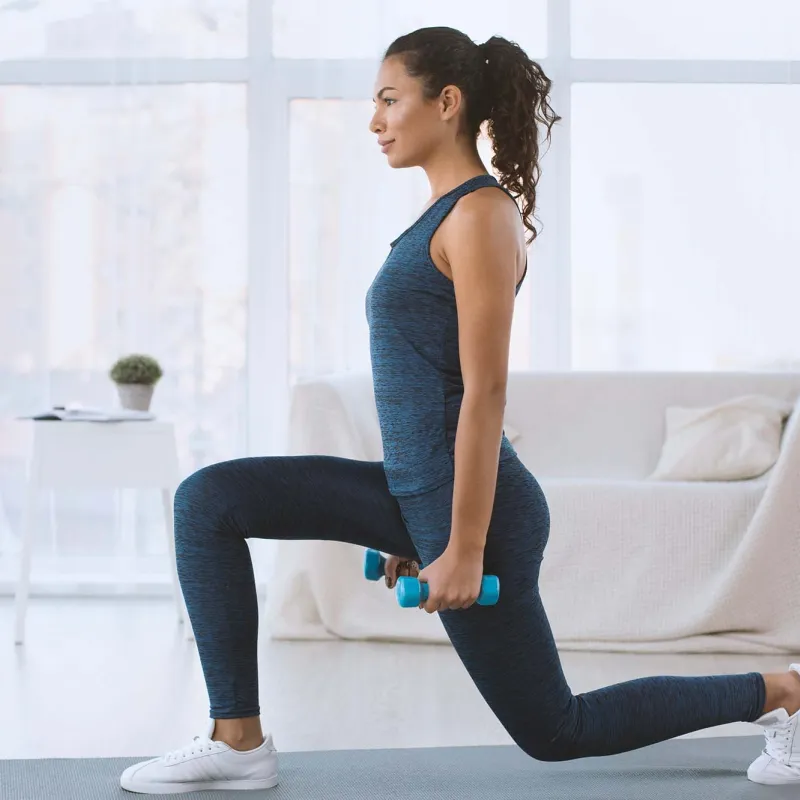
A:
<point x="454" y="581"/>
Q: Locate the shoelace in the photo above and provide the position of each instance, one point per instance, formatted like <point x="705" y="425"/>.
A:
<point x="199" y="744"/>
<point x="779" y="743"/>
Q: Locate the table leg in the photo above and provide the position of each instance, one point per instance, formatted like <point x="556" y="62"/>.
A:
<point x="24" y="585"/>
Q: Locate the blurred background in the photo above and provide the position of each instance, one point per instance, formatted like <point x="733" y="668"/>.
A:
<point x="195" y="179"/>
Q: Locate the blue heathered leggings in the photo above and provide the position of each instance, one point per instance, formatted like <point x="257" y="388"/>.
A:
<point x="508" y="649"/>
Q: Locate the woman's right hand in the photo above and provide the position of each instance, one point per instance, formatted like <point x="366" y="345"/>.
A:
<point x="397" y="567"/>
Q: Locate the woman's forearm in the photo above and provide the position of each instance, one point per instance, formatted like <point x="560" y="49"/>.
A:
<point x="477" y="452"/>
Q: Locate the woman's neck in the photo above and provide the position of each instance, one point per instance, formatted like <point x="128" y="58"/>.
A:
<point x="448" y="170"/>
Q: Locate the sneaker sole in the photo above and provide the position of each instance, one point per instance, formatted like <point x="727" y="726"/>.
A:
<point x="199" y="786"/>
<point x="773" y="781"/>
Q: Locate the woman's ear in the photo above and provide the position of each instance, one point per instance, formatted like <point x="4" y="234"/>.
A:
<point x="450" y="101"/>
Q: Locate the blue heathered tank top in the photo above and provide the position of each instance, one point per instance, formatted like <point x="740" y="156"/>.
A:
<point x="416" y="371"/>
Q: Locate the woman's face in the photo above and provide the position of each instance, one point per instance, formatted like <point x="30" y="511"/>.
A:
<point x="408" y="127"/>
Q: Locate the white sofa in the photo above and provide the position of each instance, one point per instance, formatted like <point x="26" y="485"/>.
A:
<point x="632" y="564"/>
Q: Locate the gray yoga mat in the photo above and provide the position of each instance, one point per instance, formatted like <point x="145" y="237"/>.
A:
<point x="680" y="769"/>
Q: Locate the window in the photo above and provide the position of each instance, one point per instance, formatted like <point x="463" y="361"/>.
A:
<point x="123" y="29"/>
<point x="682" y="234"/>
<point x="686" y="29"/>
<point x="348" y="29"/>
<point x="123" y="218"/>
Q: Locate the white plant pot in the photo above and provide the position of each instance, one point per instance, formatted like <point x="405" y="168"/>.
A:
<point x="135" y="396"/>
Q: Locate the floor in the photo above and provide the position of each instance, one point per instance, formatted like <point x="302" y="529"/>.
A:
<point x="110" y="677"/>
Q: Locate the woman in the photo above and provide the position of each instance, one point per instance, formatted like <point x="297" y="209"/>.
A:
<point x="451" y="493"/>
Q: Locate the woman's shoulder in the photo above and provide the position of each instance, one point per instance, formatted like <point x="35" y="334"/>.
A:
<point x="490" y="209"/>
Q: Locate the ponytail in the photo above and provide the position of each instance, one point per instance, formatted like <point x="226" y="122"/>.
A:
<point x="516" y="106"/>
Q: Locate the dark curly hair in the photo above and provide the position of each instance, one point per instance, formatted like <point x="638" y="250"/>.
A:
<point x="501" y="86"/>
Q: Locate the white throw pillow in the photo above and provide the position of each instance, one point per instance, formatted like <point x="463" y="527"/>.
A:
<point x="736" y="440"/>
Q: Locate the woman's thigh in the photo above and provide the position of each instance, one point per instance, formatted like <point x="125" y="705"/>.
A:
<point x="311" y="497"/>
<point x="508" y="649"/>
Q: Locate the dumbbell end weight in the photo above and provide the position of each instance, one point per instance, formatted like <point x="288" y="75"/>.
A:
<point x="374" y="565"/>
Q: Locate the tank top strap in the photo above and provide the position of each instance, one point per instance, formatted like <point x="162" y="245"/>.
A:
<point x="444" y="205"/>
<point x="419" y="233"/>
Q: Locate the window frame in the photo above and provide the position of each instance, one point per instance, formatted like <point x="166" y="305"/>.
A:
<point x="271" y="85"/>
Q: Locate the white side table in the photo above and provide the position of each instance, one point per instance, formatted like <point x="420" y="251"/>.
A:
<point x="99" y="455"/>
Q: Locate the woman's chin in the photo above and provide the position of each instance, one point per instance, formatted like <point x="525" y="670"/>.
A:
<point x="395" y="162"/>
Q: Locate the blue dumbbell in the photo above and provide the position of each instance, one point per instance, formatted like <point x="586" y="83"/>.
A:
<point x="411" y="592"/>
<point x="374" y="565"/>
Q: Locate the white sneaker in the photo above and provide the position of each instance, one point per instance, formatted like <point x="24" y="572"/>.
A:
<point x="779" y="761"/>
<point x="205" y="764"/>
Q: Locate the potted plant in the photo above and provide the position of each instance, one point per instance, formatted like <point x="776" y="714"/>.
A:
<point x="136" y="376"/>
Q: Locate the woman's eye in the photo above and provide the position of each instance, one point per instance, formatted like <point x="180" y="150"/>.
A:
<point x="388" y="100"/>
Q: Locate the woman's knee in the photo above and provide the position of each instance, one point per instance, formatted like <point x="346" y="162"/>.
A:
<point x="559" y="742"/>
<point x="548" y="750"/>
<point x="201" y="495"/>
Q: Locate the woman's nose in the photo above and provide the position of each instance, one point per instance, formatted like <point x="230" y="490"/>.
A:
<point x="375" y="124"/>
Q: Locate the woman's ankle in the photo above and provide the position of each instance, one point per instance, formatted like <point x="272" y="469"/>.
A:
<point x="783" y="691"/>
<point x="792" y="703"/>
<point x="241" y="734"/>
